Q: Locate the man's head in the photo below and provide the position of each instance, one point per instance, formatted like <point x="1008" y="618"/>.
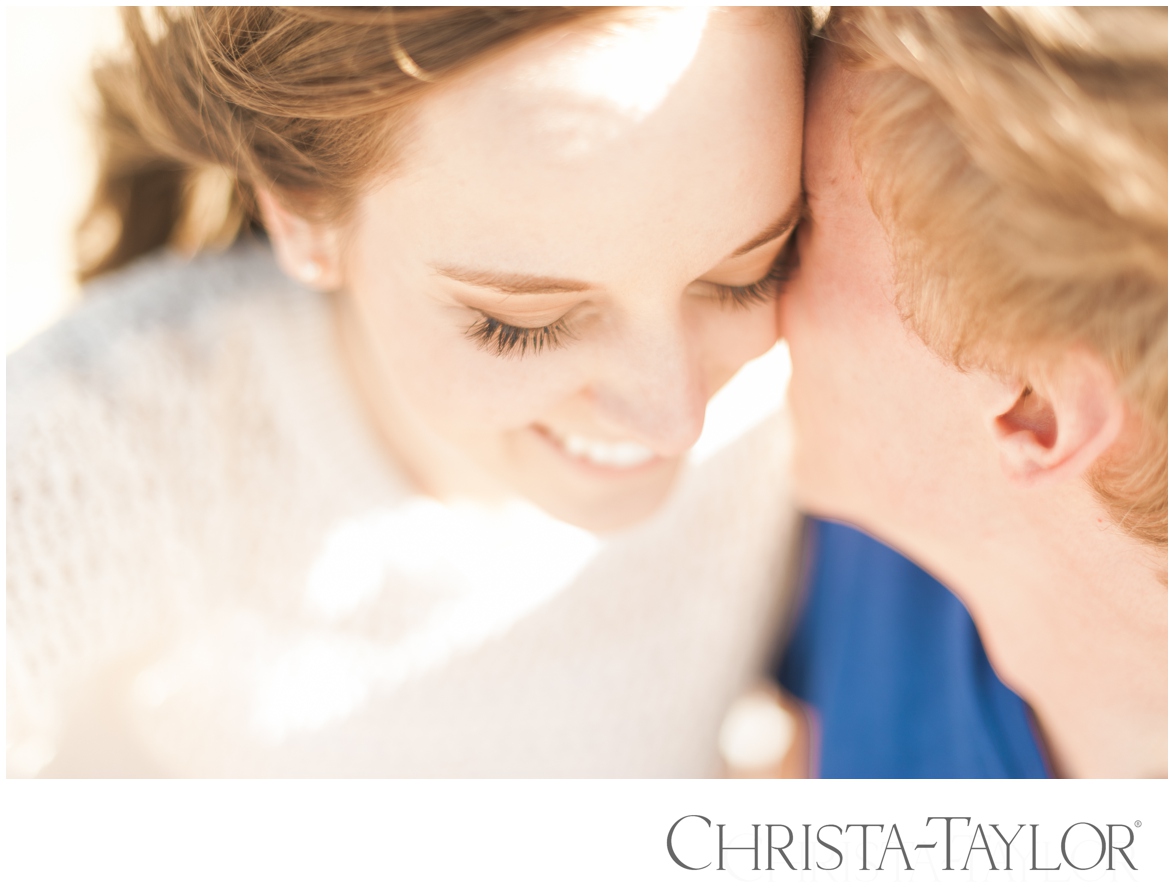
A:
<point x="978" y="319"/>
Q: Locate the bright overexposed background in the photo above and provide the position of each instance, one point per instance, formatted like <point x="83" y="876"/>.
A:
<point x="50" y="155"/>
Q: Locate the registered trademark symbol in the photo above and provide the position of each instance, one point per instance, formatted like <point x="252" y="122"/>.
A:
<point x="1137" y="824"/>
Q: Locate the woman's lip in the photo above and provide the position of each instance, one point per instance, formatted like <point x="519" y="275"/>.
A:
<point x="606" y="456"/>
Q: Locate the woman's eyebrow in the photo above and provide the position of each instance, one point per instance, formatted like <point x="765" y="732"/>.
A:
<point x="512" y="283"/>
<point x="516" y="283"/>
<point x="783" y="224"/>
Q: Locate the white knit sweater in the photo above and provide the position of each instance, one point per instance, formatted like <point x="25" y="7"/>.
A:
<point x="214" y="569"/>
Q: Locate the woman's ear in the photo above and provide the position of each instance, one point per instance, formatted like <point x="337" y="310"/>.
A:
<point x="1057" y="424"/>
<point x="309" y="252"/>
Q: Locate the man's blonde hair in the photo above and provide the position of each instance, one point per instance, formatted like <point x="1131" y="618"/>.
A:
<point x="1018" y="161"/>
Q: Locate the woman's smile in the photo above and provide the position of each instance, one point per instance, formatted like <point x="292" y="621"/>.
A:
<point x="614" y="455"/>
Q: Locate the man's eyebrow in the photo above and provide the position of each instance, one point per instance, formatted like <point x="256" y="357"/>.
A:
<point x="784" y="223"/>
<point x="512" y="283"/>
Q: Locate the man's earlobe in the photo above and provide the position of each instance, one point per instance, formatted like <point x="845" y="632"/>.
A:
<point x="308" y="252"/>
<point x="1060" y="422"/>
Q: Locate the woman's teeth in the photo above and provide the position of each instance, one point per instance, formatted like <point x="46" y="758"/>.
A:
<point x="610" y="454"/>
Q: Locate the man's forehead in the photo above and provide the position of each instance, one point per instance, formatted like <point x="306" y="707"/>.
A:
<point x="835" y="94"/>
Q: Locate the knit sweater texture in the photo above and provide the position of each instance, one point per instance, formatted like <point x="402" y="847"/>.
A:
<point x="215" y="569"/>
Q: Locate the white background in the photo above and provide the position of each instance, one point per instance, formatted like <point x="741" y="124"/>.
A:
<point x="50" y="161"/>
<point x="526" y="833"/>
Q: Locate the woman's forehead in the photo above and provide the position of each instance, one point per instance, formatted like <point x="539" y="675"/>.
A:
<point x="572" y="169"/>
<point x="608" y="86"/>
<point x="623" y="68"/>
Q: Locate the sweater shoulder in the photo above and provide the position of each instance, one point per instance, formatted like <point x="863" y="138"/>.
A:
<point x="149" y="396"/>
<point x="160" y="330"/>
<point x="160" y="300"/>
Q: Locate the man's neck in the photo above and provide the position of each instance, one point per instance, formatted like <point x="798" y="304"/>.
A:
<point x="1073" y="615"/>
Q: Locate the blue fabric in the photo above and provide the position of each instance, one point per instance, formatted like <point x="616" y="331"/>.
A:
<point x="892" y="663"/>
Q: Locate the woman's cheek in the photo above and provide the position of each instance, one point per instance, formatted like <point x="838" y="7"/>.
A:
<point x="733" y="337"/>
<point x="472" y="389"/>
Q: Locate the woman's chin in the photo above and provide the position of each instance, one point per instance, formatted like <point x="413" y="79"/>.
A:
<point x="598" y="498"/>
<point x="609" y="514"/>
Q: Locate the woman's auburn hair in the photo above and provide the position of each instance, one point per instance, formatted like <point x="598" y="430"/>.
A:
<point x="213" y="103"/>
<point x="311" y="104"/>
<point x="1018" y="160"/>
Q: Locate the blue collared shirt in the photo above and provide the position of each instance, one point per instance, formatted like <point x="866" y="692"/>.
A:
<point x="893" y="665"/>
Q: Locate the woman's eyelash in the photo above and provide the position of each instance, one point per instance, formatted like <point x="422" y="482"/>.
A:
<point x="505" y="339"/>
<point x="765" y="289"/>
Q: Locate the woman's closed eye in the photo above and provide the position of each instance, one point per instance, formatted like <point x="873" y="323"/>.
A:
<point x="504" y="339"/>
<point x="511" y="340"/>
<point x="764" y="289"/>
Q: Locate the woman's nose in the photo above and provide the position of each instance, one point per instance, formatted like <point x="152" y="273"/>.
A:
<point x="654" y="388"/>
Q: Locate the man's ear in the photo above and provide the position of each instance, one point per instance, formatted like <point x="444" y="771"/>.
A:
<point x="1052" y="428"/>
<point x="309" y="252"/>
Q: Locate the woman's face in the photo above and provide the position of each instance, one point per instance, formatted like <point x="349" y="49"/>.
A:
<point x="576" y="250"/>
